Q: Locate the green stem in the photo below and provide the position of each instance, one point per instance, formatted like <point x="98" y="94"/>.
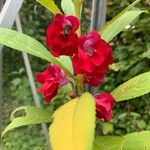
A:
<point x="80" y="86"/>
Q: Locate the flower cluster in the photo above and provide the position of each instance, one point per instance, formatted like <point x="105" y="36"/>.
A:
<point x="90" y="55"/>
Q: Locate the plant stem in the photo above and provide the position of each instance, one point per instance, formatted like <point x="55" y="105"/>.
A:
<point x="80" y="86"/>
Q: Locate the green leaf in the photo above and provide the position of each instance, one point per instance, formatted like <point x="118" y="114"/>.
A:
<point x="137" y="141"/>
<point x="66" y="61"/>
<point x="68" y="7"/>
<point x="135" y="87"/>
<point x="107" y="127"/>
<point x="133" y="141"/>
<point x="74" y="124"/>
<point x="50" y="5"/>
<point x="118" y="23"/>
<point x="108" y="143"/>
<point x="25" y="43"/>
<point x="33" y="115"/>
<point x="58" y="6"/>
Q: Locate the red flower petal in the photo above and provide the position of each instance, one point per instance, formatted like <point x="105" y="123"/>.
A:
<point x="74" y="21"/>
<point x="61" y="35"/>
<point x="104" y="105"/>
<point x="93" y="58"/>
<point x="51" y="78"/>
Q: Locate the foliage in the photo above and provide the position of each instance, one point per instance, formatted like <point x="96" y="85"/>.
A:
<point x="50" y="5"/>
<point x="25" y="43"/>
<point x="128" y="64"/>
<point x="22" y="139"/>
<point x="117" y="24"/>
<point x="138" y="141"/>
<point x="29" y="115"/>
<point x="134" y="87"/>
<point x="68" y="121"/>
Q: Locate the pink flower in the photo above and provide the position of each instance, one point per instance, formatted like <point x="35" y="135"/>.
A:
<point x="104" y="105"/>
<point x="51" y="79"/>
<point x="61" y="35"/>
<point x="93" y="58"/>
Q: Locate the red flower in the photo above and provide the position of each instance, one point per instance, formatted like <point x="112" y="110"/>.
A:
<point x="51" y="78"/>
<point x="61" y="35"/>
<point x="104" y="105"/>
<point x="94" y="56"/>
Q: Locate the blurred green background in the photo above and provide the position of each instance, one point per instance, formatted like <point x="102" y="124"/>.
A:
<point x="131" y="50"/>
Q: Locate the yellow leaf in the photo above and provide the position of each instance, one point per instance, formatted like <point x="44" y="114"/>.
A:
<point x="74" y="124"/>
<point x="50" y="5"/>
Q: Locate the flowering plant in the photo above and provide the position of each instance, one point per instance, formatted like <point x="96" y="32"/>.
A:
<point x="87" y="59"/>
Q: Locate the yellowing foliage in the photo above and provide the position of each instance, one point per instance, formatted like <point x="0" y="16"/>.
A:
<point x="74" y="124"/>
<point x="50" y="5"/>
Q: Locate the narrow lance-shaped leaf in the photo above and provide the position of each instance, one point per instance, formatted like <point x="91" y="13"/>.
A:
<point x="121" y="13"/>
<point x="74" y="124"/>
<point x="33" y="115"/>
<point x="25" y="43"/>
<point x="135" y="87"/>
<point x="50" y="5"/>
<point x="118" y="23"/>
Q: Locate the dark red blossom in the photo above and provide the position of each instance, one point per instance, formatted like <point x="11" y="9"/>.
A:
<point x="61" y="35"/>
<point x="93" y="58"/>
<point x="51" y="79"/>
<point x="104" y="105"/>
